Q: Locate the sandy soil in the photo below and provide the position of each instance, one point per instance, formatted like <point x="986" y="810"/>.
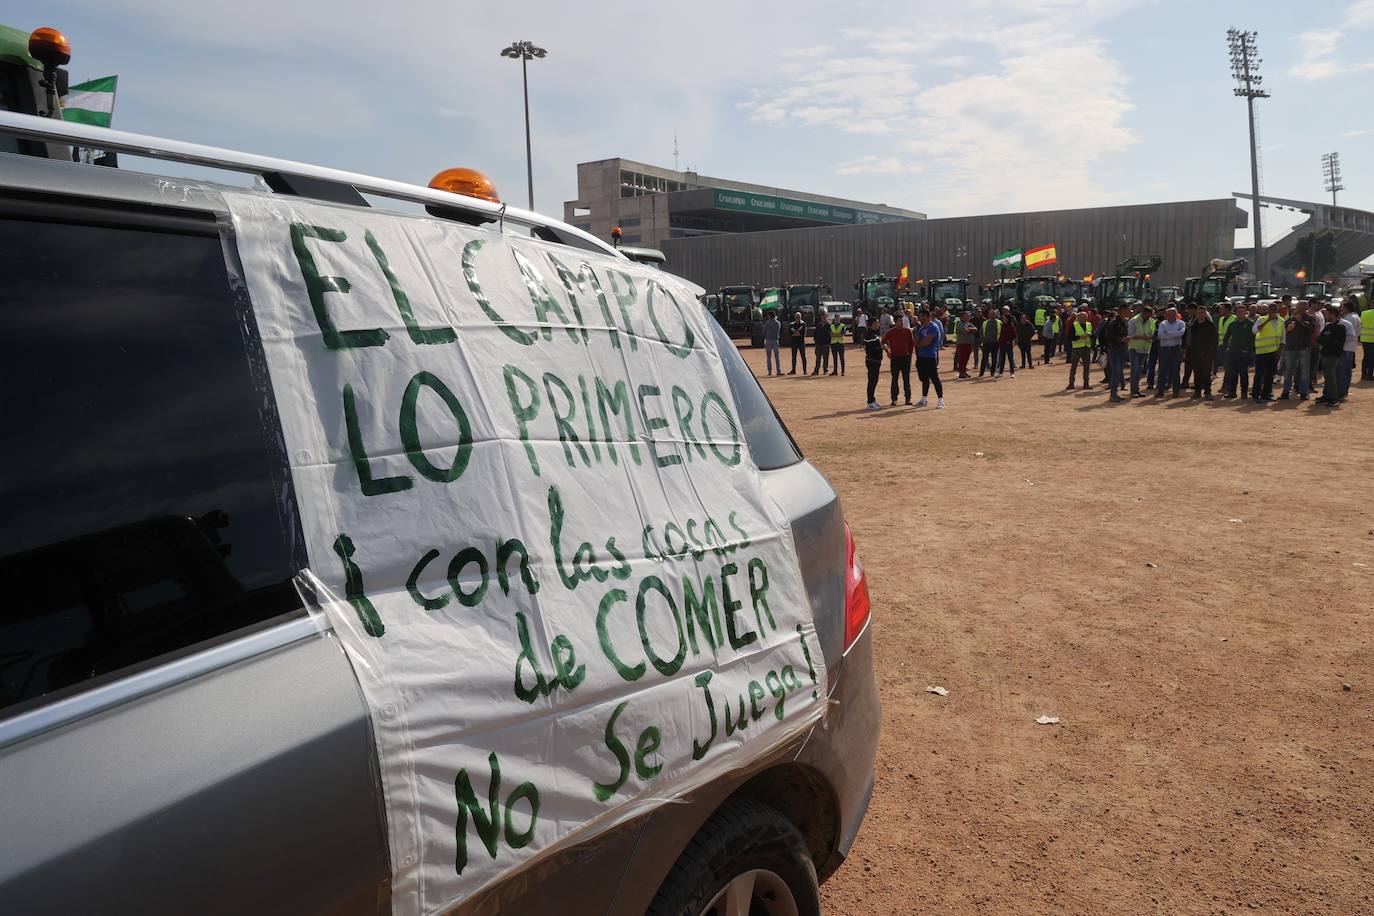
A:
<point x="1208" y="757"/>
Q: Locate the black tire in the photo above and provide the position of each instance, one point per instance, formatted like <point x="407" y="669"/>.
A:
<point x="741" y="836"/>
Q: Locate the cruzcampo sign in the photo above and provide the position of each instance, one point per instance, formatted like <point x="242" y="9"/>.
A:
<point x="748" y="202"/>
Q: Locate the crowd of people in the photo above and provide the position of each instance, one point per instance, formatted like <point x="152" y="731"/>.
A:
<point x="1253" y="346"/>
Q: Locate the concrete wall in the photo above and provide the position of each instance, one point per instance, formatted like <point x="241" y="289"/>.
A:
<point x="1186" y="235"/>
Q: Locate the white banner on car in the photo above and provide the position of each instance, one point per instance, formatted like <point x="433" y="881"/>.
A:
<point x="533" y="521"/>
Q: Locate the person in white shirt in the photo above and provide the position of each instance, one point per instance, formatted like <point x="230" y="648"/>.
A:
<point x="1351" y="316"/>
<point x="1169" y="333"/>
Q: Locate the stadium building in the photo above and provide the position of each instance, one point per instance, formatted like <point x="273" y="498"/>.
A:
<point x="719" y="232"/>
<point x="652" y="205"/>
<point x="1088" y="241"/>
<point x="1186" y="235"/>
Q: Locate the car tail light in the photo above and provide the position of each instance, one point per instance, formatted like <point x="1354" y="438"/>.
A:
<point x="857" y="606"/>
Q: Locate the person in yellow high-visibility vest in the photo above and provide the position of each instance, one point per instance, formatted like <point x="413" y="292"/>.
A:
<point x="1080" y="348"/>
<point x="837" y="329"/>
<point x="1141" y="330"/>
<point x="1268" y="340"/>
<point x="1367" y="341"/>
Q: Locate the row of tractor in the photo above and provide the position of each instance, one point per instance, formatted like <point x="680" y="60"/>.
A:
<point x="742" y="309"/>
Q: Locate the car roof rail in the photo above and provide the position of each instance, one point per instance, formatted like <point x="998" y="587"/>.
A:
<point x="284" y="176"/>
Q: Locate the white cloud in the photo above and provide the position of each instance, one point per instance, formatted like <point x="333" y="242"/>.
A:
<point x="862" y="95"/>
<point x="1319" y="50"/>
<point x="879" y="165"/>
<point x="1001" y="125"/>
<point x="1359" y="15"/>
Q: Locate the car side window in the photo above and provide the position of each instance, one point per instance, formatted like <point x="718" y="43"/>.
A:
<point x="769" y="441"/>
<point x="142" y="482"/>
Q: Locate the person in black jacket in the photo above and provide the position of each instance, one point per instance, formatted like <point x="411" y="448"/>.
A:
<point x="872" y="342"/>
<point x="1202" y="352"/>
<point x="1331" y="343"/>
<point x="1114" y="335"/>
<point x="1025" y="333"/>
<point x="820" y="340"/>
<point x="798" y="341"/>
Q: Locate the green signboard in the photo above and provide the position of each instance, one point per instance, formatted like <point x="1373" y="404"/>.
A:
<point x="749" y="202"/>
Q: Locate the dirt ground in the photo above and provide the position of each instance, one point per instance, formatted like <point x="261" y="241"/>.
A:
<point x="1186" y="585"/>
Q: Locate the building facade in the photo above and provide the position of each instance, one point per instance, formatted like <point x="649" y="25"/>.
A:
<point x="651" y="205"/>
<point x="1089" y="241"/>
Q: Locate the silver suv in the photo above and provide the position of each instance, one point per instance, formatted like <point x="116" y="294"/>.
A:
<point x="181" y="730"/>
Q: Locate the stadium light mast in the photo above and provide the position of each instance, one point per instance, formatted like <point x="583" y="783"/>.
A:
<point x="1331" y="172"/>
<point x="525" y="51"/>
<point x="1245" y="61"/>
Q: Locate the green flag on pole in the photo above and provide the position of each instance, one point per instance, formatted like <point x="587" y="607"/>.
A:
<point x="771" y="300"/>
<point x="1007" y="260"/>
<point x="91" y="102"/>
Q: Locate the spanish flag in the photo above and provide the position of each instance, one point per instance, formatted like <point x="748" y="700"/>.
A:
<point x="1039" y="257"/>
<point x="903" y="276"/>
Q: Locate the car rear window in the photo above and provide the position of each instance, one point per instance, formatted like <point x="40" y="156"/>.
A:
<point x="141" y="492"/>
<point x="769" y="441"/>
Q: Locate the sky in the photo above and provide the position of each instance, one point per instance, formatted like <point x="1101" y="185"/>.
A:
<point x="984" y="106"/>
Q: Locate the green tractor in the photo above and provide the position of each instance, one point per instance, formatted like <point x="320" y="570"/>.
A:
<point x="1003" y="294"/>
<point x="1126" y="284"/>
<point x="875" y="292"/>
<point x="805" y="298"/>
<point x="1073" y="290"/>
<point x="1216" y="279"/>
<point x="1033" y="294"/>
<point x="1313" y="289"/>
<point x="1161" y="296"/>
<point x="739" y="310"/>
<point x="951" y="292"/>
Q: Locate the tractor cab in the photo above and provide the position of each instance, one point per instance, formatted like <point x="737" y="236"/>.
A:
<point x="875" y="292"/>
<point x="1030" y="291"/>
<point x="805" y="298"/>
<point x="1314" y="289"/>
<point x="951" y="292"/>
<point x="739" y="308"/>
<point x="1216" y="279"/>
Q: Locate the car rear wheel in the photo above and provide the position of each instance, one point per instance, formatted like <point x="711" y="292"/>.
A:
<point x="747" y="860"/>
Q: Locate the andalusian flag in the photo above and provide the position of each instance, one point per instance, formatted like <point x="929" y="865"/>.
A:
<point x="1007" y="260"/>
<point x="771" y="300"/>
<point x="91" y="102"/>
<point x="904" y="276"/>
<point x="1039" y="257"/>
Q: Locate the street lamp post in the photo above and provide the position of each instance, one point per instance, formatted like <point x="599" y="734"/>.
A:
<point x="1245" y="61"/>
<point x="523" y="51"/>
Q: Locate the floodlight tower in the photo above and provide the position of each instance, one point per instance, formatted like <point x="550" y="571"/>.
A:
<point x="1331" y="172"/>
<point x="1245" y="61"/>
<point x="525" y="51"/>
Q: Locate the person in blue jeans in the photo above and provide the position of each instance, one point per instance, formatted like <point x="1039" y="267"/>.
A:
<point x="772" y="335"/>
<point x="1115" y="336"/>
<point x="1170" y="337"/>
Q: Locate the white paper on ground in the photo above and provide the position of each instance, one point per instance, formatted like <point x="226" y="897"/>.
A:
<point x="543" y="542"/>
